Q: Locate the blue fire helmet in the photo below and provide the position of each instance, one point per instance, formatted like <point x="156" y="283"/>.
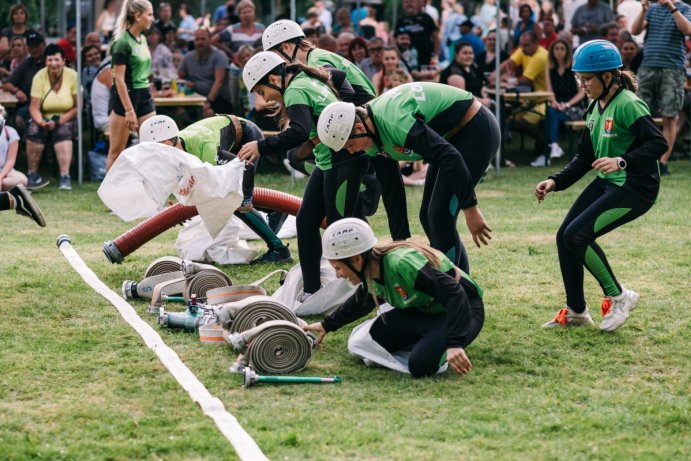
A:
<point x="596" y="56"/>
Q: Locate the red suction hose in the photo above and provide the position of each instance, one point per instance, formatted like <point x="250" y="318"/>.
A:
<point x="116" y="250"/>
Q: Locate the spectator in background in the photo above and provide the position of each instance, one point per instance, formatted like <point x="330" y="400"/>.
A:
<point x="100" y="96"/>
<point x="463" y="73"/>
<point x="424" y="34"/>
<point x="18" y="18"/>
<point x="18" y="53"/>
<point x="244" y="32"/>
<point x="373" y="64"/>
<point x="19" y="81"/>
<point x="468" y="36"/>
<point x="357" y="50"/>
<point x="187" y="23"/>
<point x="610" y="32"/>
<point x="588" y="18"/>
<point x="242" y="100"/>
<point x="526" y="24"/>
<point x="325" y="16"/>
<point x="486" y="61"/>
<point x="161" y="57"/>
<point x="662" y="75"/>
<point x="452" y="18"/>
<point x="390" y="63"/>
<point x="91" y="61"/>
<point x="488" y="14"/>
<point x="9" y="147"/>
<point x="312" y="24"/>
<point x="327" y="42"/>
<point x="226" y="12"/>
<point x="92" y="38"/>
<point x="53" y="110"/>
<point x="131" y="102"/>
<point x="631" y="55"/>
<point x="206" y="71"/>
<point x="407" y="55"/>
<point x="68" y="43"/>
<point x="369" y="26"/>
<point x="629" y="9"/>
<point x="105" y="24"/>
<point x="567" y="102"/>
<point x="343" y="42"/>
<point x="165" y="21"/>
<point x="568" y="9"/>
<point x="343" y="22"/>
<point x="527" y="64"/>
<point x="549" y="33"/>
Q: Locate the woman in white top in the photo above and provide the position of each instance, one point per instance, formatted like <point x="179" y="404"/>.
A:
<point x="9" y="146"/>
<point x="105" y="24"/>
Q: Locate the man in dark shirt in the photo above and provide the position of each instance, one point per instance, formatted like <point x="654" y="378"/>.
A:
<point x="424" y="34"/>
<point x="19" y="81"/>
<point x="165" y="18"/>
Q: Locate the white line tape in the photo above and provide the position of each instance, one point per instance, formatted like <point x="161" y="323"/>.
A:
<point x="244" y="445"/>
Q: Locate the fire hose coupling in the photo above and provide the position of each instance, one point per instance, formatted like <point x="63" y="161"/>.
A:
<point x="112" y="252"/>
<point x="63" y="238"/>
<point x="276" y="346"/>
<point x="189" y="268"/>
<point x="195" y="316"/>
<point x="251" y="378"/>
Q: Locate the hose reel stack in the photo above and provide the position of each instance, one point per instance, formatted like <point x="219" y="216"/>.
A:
<point x="267" y="333"/>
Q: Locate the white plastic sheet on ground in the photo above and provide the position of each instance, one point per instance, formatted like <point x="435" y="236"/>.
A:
<point x="143" y="177"/>
<point x="195" y="243"/>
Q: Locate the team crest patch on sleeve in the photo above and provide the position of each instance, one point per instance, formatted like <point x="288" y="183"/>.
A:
<point x="609" y="125"/>
<point x="401" y="291"/>
<point x="402" y="150"/>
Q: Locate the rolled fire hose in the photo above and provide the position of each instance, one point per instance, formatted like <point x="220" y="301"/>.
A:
<point x="163" y="265"/>
<point x="276" y="346"/>
<point x="116" y="250"/>
<point x="230" y="294"/>
<point x="203" y="281"/>
<point x="189" y="268"/>
<point x="251" y="312"/>
<point x="146" y="288"/>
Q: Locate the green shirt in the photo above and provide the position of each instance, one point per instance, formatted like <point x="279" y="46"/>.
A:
<point x="396" y="111"/>
<point x="134" y="54"/>
<point x="400" y="269"/>
<point x="610" y="131"/>
<point x="305" y="90"/>
<point x="203" y="138"/>
<point x="355" y="76"/>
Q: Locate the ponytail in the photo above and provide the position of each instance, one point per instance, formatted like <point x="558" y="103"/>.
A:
<point x="316" y="73"/>
<point x="628" y="80"/>
<point x="127" y="13"/>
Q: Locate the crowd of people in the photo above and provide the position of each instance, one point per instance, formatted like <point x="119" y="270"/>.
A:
<point x="356" y="102"/>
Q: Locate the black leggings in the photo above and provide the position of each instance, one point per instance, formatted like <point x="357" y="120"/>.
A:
<point x="476" y="144"/>
<point x="423" y="334"/>
<point x="602" y="207"/>
<point x="332" y="193"/>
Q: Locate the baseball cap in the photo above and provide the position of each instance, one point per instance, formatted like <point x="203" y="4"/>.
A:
<point x="35" y="38"/>
<point x="467" y="23"/>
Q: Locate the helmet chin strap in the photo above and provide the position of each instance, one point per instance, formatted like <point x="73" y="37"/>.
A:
<point x="366" y="134"/>
<point x="365" y="263"/>
<point x="606" y="87"/>
<point x="291" y="58"/>
<point x="280" y="89"/>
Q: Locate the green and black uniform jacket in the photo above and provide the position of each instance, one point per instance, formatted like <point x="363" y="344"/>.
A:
<point x="624" y="128"/>
<point x="134" y="54"/>
<point x="408" y="281"/>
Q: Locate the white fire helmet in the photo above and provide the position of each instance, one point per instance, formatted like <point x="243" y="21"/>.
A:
<point x="279" y="32"/>
<point x="258" y="67"/>
<point x="346" y="238"/>
<point x="158" y="128"/>
<point x="335" y="124"/>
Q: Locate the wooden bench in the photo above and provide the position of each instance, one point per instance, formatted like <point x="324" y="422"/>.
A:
<point x="576" y="126"/>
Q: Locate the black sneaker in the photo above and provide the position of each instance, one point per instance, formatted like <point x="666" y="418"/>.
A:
<point x="26" y="206"/>
<point x="664" y="169"/>
<point x="36" y="181"/>
<point x="275" y="255"/>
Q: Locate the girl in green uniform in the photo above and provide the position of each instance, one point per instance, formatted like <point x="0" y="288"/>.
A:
<point x="130" y="97"/>
<point x="215" y="140"/>
<point x="438" y="309"/>
<point x="622" y="142"/>
<point x="440" y="124"/>
<point x="287" y="39"/>
<point x="302" y="93"/>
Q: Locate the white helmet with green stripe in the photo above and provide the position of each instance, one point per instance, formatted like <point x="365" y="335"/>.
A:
<point x="280" y="32"/>
<point x="335" y="124"/>
<point x="259" y="67"/>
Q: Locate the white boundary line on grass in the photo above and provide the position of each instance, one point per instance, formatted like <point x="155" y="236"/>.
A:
<point x="244" y="445"/>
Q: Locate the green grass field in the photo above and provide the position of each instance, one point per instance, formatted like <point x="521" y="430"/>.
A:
<point x="76" y="383"/>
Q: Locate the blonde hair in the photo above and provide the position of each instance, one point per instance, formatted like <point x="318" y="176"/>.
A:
<point x="126" y="17"/>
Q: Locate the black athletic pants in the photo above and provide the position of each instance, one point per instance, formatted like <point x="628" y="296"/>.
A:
<point x="477" y="144"/>
<point x="423" y="334"/>
<point x="602" y="207"/>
